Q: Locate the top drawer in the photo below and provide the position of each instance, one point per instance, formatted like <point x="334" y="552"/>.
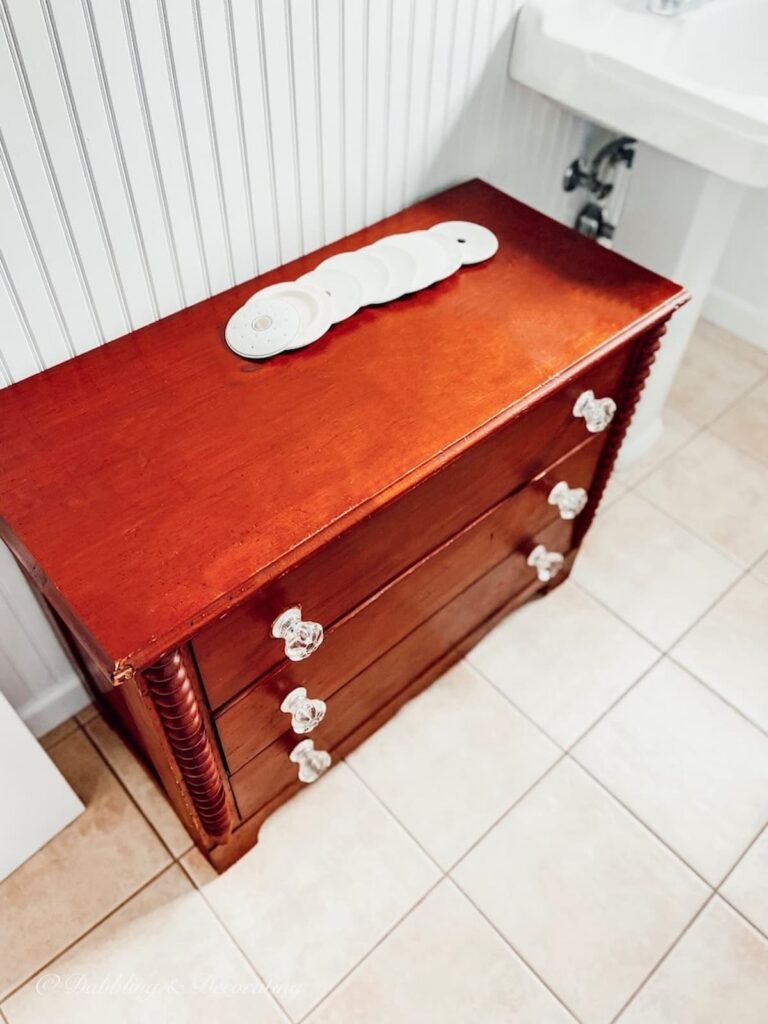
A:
<point x="239" y="647"/>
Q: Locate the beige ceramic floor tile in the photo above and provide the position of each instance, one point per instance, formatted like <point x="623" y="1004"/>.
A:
<point x="442" y="963"/>
<point x="453" y="761"/>
<point x="163" y="956"/>
<point x="563" y="660"/>
<point x="53" y="736"/>
<point x="718" y="492"/>
<point x="761" y="570"/>
<point x="614" y="490"/>
<point x="82" y="874"/>
<point x="747" y="885"/>
<point x="745" y="424"/>
<point x="142" y="787"/>
<point x="586" y="895"/>
<point x="689" y="766"/>
<point x="728" y="649"/>
<point x="85" y="716"/>
<point x="716" y="370"/>
<point x="732" y="344"/>
<point x="650" y="571"/>
<point x="677" y="430"/>
<point x="718" y="974"/>
<point x="331" y="874"/>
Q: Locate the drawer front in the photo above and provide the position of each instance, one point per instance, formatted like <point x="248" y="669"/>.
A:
<point x="262" y="778"/>
<point x="254" y="719"/>
<point x="234" y="651"/>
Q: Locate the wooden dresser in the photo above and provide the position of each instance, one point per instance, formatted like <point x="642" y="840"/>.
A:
<point x="256" y="564"/>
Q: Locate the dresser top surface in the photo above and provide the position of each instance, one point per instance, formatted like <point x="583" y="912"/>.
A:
<point x="150" y="482"/>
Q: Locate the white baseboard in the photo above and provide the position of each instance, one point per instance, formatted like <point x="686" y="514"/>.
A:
<point x="740" y="317"/>
<point x="54" y="706"/>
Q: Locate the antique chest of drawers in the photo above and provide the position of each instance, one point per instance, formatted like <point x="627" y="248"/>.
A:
<point x="256" y="564"/>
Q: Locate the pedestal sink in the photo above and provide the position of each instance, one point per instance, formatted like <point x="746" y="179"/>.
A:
<point x="693" y="89"/>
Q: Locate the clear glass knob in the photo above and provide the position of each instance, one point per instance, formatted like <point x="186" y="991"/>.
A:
<point x="569" y="500"/>
<point x="301" y="638"/>
<point x="546" y="563"/>
<point x="596" y="412"/>
<point x="306" y="714"/>
<point x="312" y="763"/>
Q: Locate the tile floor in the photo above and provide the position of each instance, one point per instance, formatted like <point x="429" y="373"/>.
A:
<point x="572" y="824"/>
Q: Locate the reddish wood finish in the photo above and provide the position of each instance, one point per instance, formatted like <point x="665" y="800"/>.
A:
<point x="153" y="483"/>
<point x="239" y="647"/>
<point x="254" y="719"/>
<point x="174" y="697"/>
<point x="263" y="777"/>
<point x="169" y="499"/>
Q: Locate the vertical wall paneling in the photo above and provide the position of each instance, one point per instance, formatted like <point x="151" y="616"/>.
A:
<point x="154" y="152"/>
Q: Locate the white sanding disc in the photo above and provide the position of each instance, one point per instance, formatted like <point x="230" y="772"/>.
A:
<point x="369" y="270"/>
<point x="401" y="266"/>
<point x="344" y="290"/>
<point x="312" y="304"/>
<point x="431" y="262"/>
<point x="475" y="243"/>
<point x="262" y="327"/>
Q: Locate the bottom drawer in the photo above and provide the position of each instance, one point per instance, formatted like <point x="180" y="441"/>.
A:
<point x="263" y="777"/>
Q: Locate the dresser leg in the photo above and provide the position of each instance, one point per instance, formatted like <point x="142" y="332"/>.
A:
<point x="177" y="706"/>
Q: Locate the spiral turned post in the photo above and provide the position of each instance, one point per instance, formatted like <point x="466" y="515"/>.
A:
<point x="647" y="347"/>
<point x="177" y="705"/>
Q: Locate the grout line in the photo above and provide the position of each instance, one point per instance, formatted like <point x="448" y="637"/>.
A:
<point x="91" y="928"/>
<point x="658" y="964"/>
<point x="720" y="697"/>
<point x="466" y="661"/>
<point x="509" y="945"/>
<point x="373" y="948"/>
<point x="761" y="832"/>
<point x="200" y="890"/>
<point x="392" y="815"/>
<point x="740" y="913"/>
<point x="113" y="771"/>
<point x="639" y="820"/>
<point x="511" y="807"/>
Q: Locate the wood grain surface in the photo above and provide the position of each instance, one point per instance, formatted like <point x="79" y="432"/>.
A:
<point x="151" y="484"/>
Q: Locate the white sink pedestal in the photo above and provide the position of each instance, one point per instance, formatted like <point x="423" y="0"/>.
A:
<point x="676" y="221"/>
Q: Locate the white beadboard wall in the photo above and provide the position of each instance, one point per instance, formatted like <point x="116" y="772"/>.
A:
<point x="154" y="152"/>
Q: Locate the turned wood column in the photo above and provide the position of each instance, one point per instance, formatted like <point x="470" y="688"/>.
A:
<point x="176" y="702"/>
<point x="637" y="374"/>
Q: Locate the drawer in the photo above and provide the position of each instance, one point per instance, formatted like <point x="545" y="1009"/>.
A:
<point x="254" y="719"/>
<point x="262" y="778"/>
<point x="239" y="647"/>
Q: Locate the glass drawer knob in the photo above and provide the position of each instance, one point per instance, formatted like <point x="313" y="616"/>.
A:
<point x="569" y="500"/>
<point x="306" y="714"/>
<point x="301" y="638"/>
<point x="312" y="763"/>
<point x="546" y="563"/>
<point x="596" y="412"/>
